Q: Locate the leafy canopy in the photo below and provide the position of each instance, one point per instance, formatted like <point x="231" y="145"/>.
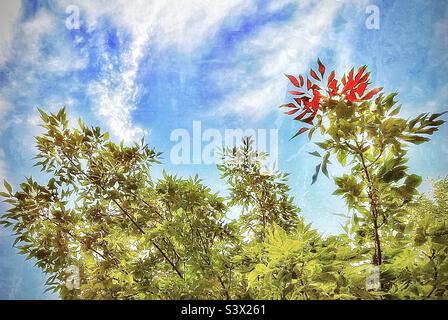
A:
<point x="134" y="237"/>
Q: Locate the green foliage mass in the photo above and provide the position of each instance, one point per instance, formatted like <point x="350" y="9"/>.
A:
<point x="372" y="142"/>
<point x="133" y="237"/>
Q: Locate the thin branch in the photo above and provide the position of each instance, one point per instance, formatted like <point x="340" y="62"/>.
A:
<point x="129" y="217"/>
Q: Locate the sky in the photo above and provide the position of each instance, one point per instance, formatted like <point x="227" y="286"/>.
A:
<point x="162" y="69"/>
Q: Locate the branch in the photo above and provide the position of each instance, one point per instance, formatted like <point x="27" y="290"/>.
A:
<point x="128" y="216"/>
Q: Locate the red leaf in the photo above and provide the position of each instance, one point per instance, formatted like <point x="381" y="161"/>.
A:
<point x="310" y="134"/>
<point x="360" y="72"/>
<point x="308" y="84"/>
<point x="299" y="100"/>
<point x="290" y="112"/>
<point x="314" y="75"/>
<point x="307" y="106"/>
<point x="301" y="80"/>
<point x="350" y="74"/>
<point x="297" y="93"/>
<point x="321" y="67"/>
<point x="316" y="100"/>
<point x="330" y="77"/>
<point x="351" y="97"/>
<point x="309" y="120"/>
<point x="364" y="78"/>
<point x="299" y="132"/>
<point x="350" y="84"/>
<point x="361" y="88"/>
<point x="333" y="88"/>
<point x="300" y="116"/>
<point x="293" y="80"/>
<point x="333" y="84"/>
<point x="371" y="93"/>
<point x="332" y="93"/>
<point x="289" y="105"/>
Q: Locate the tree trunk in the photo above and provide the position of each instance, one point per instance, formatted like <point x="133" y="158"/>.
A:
<point x="377" y="258"/>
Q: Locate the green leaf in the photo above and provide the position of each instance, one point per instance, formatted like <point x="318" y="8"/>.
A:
<point x="316" y="174"/>
<point x="355" y="219"/>
<point x="413" y="181"/>
<point x="315" y="153"/>
<point x="395" y="111"/>
<point x="81" y="123"/>
<point x="7" y="186"/>
<point x="61" y="114"/>
<point x="414" y="121"/>
<point x="325" y="162"/>
<point x="342" y="157"/>
<point x="43" y="115"/>
<point x="415" y="139"/>
<point x="436" y="115"/>
<point x="322" y="145"/>
<point x="395" y="174"/>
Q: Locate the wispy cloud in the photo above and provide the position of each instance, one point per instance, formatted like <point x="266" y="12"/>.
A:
<point x="256" y="79"/>
<point x="275" y="50"/>
<point x="35" y="46"/>
<point x="152" y="26"/>
<point x="31" y="76"/>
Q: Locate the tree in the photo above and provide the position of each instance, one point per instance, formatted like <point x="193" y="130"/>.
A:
<point x="262" y="194"/>
<point x="418" y="265"/>
<point x="101" y="212"/>
<point x="365" y="135"/>
<point x="101" y="215"/>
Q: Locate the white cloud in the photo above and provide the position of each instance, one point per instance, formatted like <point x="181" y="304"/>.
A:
<point x="8" y="16"/>
<point x="279" y="4"/>
<point x="60" y="57"/>
<point x="184" y="26"/>
<point x="33" y="59"/>
<point x="115" y="106"/>
<point x="278" y="49"/>
<point x="159" y="25"/>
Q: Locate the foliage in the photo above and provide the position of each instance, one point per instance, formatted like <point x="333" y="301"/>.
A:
<point x="365" y="136"/>
<point x="418" y="264"/>
<point x="262" y="194"/>
<point x="101" y="212"/>
<point x="135" y="237"/>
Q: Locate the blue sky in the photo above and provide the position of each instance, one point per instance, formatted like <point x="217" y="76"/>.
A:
<point x="147" y="68"/>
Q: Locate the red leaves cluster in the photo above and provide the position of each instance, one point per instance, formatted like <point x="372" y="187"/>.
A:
<point x="354" y="87"/>
<point x="310" y="93"/>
